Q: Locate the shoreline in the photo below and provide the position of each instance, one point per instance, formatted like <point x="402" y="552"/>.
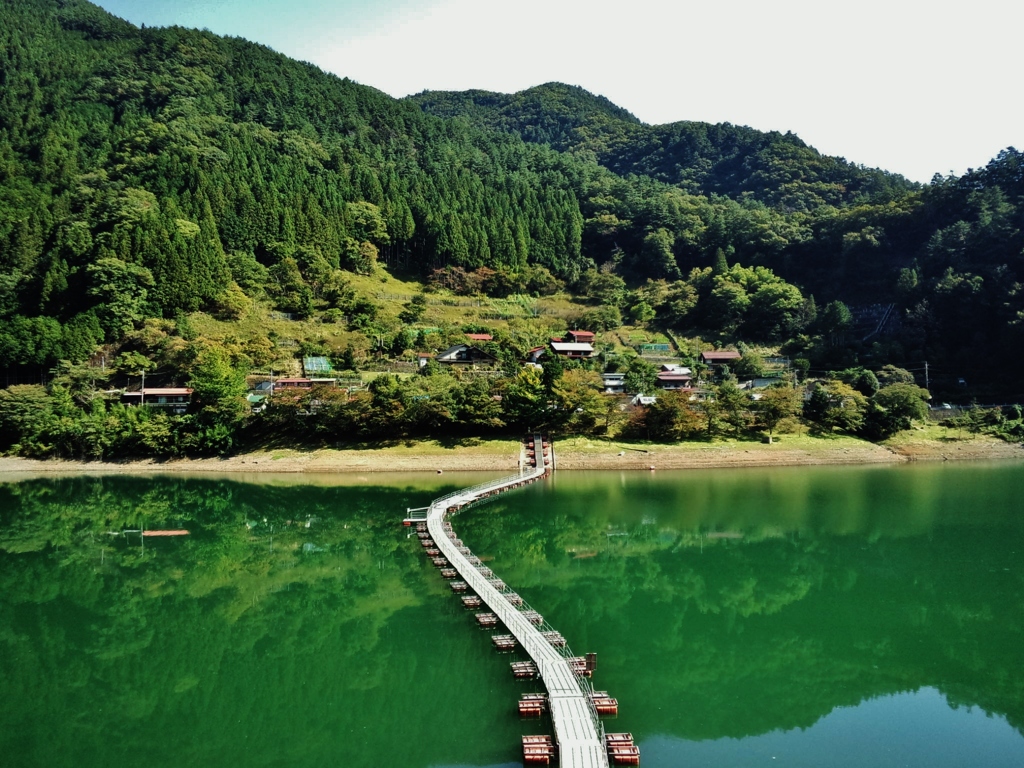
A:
<point x="570" y="454"/>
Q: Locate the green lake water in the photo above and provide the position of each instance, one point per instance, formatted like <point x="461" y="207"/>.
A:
<point x="856" y="616"/>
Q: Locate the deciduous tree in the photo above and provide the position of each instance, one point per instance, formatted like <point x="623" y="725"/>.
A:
<point x="777" y="403"/>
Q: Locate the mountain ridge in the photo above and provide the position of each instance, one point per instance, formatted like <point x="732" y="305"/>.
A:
<point x="698" y="157"/>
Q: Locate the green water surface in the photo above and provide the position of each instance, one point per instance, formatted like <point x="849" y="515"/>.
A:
<point x="786" y="617"/>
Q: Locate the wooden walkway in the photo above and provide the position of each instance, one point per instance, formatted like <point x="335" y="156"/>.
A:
<point x="578" y="731"/>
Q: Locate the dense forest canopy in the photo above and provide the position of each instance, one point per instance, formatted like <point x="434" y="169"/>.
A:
<point x="156" y="172"/>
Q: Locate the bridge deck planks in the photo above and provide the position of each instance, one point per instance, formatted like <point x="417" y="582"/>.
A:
<point x="580" y="745"/>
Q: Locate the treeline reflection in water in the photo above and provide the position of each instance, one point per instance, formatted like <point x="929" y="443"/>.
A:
<point x="296" y="623"/>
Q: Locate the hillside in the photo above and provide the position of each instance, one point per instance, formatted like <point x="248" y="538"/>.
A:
<point x="205" y="160"/>
<point x="162" y="189"/>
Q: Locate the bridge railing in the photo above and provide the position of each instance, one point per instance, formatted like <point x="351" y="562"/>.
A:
<point x="565" y="651"/>
<point x="421" y="513"/>
<point x="490" y="485"/>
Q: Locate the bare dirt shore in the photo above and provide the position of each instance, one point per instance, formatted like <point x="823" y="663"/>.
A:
<point x="942" y="445"/>
<point x="571" y="454"/>
<point x="425" y="456"/>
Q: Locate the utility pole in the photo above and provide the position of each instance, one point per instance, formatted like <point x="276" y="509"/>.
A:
<point x="142" y="393"/>
<point x="926" y="384"/>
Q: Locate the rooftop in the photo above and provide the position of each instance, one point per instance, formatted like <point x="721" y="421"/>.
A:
<point x="571" y="346"/>
<point x="159" y="391"/>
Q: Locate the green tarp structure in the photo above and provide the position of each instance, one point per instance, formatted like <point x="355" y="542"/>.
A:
<point x="316" y="365"/>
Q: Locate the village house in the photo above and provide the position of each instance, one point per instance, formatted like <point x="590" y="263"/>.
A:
<point x="292" y="383"/>
<point x="479" y="337"/>
<point x="674" y="377"/>
<point x="464" y="354"/>
<point x="534" y="355"/>
<point x="719" y="358"/>
<point x="614" y="383"/>
<point x="580" y="337"/>
<point x="574" y="350"/>
<point x="302" y="383"/>
<point x="674" y="381"/>
<point x="174" y="399"/>
<point x="577" y="345"/>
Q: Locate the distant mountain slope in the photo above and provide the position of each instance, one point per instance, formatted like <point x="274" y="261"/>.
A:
<point x="563" y="116"/>
<point x="152" y="172"/>
<point x="700" y="158"/>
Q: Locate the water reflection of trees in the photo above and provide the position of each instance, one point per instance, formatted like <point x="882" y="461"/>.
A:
<point x="767" y="626"/>
<point x="234" y="645"/>
<point x="238" y="651"/>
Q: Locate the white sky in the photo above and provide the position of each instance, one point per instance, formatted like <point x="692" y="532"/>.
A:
<point x="913" y="87"/>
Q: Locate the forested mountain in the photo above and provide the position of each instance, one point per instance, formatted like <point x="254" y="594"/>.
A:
<point x="564" y="116"/>
<point x="142" y="170"/>
<point x="154" y="172"/>
<point x="699" y="158"/>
